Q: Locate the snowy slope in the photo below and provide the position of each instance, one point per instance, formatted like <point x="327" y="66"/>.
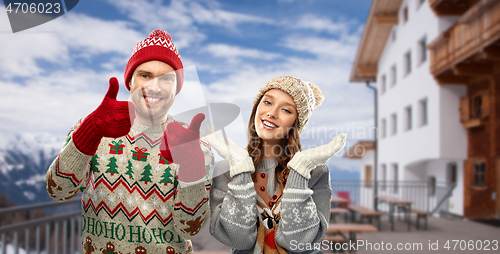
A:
<point x="24" y="159"/>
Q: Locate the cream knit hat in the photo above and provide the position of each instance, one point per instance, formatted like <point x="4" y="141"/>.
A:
<point x="305" y="95"/>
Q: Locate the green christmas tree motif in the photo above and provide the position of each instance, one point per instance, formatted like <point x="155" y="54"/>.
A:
<point x="146" y="174"/>
<point x="207" y="167"/>
<point x="94" y="164"/>
<point x="166" y="176"/>
<point x="112" y="166"/>
<point x="130" y="172"/>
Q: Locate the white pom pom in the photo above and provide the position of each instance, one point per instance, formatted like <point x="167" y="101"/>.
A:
<point x="318" y="95"/>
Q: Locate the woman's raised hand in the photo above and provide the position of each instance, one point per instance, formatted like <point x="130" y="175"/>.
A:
<point x="237" y="157"/>
<point x="305" y="161"/>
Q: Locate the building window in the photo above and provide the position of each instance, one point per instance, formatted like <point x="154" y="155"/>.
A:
<point x="477" y="104"/>
<point x="474" y="108"/>
<point x="452" y="173"/>
<point x="479" y="174"/>
<point x="405" y="14"/>
<point x="407" y="61"/>
<point x="432" y="185"/>
<point x="394" y="124"/>
<point x="384" y="176"/>
<point x="383" y="80"/>
<point x="368" y="176"/>
<point x="395" y="177"/>
<point x="393" y="75"/>
<point x="383" y="128"/>
<point x="422" y="115"/>
<point x="422" y="51"/>
<point x="420" y="2"/>
<point x="408" y="118"/>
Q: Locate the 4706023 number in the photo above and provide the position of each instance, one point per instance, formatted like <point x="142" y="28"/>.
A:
<point x="471" y="245"/>
<point x="40" y="8"/>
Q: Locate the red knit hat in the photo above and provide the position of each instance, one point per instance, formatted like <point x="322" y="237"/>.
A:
<point x="158" y="46"/>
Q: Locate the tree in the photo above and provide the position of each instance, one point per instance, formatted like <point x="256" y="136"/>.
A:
<point x="166" y="176"/>
<point x="112" y="166"/>
<point x="146" y="174"/>
<point x="94" y="163"/>
<point x="130" y="172"/>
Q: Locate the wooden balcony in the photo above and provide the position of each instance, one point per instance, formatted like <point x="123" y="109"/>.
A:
<point x="451" y="7"/>
<point x="469" y="48"/>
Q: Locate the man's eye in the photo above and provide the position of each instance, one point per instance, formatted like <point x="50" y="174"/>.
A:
<point x="169" y="79"/>
<point x="144" y="76"/>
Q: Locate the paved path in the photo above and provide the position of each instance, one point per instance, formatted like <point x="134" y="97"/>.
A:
<point x="439" y="231"/>
<point x="203" y="241"/>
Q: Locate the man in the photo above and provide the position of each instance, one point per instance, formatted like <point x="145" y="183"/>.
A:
<point x="136" y="197"/>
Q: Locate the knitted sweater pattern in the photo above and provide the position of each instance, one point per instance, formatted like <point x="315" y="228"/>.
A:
<point x="132" y="201"/>
<point x="241" y="219"/>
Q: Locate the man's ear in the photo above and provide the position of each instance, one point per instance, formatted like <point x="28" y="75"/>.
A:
<point x="130" y="84"/>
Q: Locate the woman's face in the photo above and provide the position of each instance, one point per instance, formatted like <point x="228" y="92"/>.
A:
<point x="275" y="116"/>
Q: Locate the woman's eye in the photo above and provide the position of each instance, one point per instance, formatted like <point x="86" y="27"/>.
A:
<point x="267" y="102"/>
<point x="287" y="111"/>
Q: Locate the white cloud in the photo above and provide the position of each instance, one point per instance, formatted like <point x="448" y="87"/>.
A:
<point x="78" y="36"/>
<point x="181" y="18"/>
<point x="231" y="52"/>
<point x="219" y="17"/>
<point x="318" y="24"/>
<point x="343" y="49"/>
<point x="52" y="103"/>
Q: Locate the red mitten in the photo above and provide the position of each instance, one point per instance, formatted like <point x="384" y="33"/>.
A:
<point x="111" y="119"/>
<point x="164" y="149"/>
<point x="183" y="147"/>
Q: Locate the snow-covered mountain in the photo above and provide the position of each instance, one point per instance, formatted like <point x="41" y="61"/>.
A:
<point x="24" y="159"/>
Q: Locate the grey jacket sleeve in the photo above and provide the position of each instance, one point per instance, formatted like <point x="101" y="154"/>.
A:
<point x="233" y="205"/>
<point x="305" y="208"/>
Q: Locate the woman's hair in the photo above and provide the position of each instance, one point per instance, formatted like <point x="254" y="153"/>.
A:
<point x="289" y="145"/>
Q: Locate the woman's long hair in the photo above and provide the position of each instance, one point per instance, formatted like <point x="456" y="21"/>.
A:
<point x="288" y="146"/>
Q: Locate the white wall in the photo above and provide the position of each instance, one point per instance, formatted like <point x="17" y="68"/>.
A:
<point x="438" y="169"/>
<point x="367" y="159"/>
<point x="443" y="135"/>
<point x="453" y="139"/>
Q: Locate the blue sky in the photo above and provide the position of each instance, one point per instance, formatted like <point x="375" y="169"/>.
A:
<point x="58" y="72"/>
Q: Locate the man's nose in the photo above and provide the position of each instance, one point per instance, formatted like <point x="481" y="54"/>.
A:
<point x="152" y="85"/>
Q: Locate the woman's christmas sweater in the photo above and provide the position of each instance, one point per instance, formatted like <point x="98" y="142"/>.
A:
<point x="132" y="201"/>
<point x="269" y="222"/>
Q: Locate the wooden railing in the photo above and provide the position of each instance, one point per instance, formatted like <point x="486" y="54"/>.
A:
<point x="477" y="28"/>
<point x="52" y="234"/>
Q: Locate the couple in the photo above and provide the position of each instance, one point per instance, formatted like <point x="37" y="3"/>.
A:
<point x="144" y="175"/>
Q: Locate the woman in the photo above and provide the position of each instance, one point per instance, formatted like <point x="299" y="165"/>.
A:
<point x="273" y="197"/>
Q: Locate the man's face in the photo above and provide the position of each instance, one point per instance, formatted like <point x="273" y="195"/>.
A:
<point x="152" y="90"/>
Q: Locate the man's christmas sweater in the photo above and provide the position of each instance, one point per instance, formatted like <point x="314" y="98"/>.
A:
<point x="132" y="201"/>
